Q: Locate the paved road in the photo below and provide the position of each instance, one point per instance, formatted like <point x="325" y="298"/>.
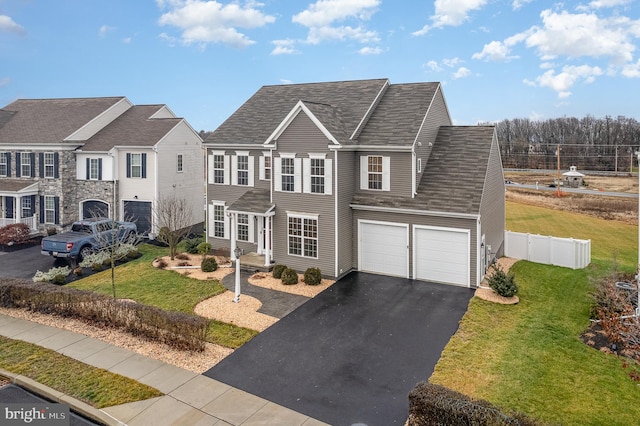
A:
<point x="12" y="394"/>
<point x="575" y="190"/>
<point x="351" y="354"/>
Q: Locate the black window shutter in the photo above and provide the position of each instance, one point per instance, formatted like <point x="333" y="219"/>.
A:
<point x="8" y="164"/>
<point x="33" y="164"/>
<point x="144" y="165"/>
<point x="33" y="206"/>
<point x="56" y="202"/>
<point x="56" y="167"/>
<point x="9" y="208"/>
<point x="128" y="165"/>
<point x="88" y="168"/>
<point x="99" y="168"/>
<point x="42" y="209"/>
<point x="18" y="168"/>
<point x="41" y="166"/>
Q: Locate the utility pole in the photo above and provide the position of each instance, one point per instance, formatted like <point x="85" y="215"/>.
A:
<point x="558" y="179"/>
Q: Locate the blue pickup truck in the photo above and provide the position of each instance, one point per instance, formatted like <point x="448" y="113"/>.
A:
<point x="85" y="237"/>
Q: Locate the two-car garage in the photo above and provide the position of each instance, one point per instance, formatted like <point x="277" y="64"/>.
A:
<point x="438" y="254"/>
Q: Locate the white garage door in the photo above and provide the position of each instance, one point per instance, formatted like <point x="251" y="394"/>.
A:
<point x="441" y="255"/>
<point x="383" y="248"/>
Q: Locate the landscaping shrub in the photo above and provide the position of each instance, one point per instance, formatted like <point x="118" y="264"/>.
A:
<point x="177" y="329"/>
<point x="204" y="248"/>
<point x="162" y="264"/>
<point x="96" y="267"/>
<point x="15" y="233"/>
<point x="277" y="271"/>
<point x="312" y="276"/>
<point x="191" y="244"/>
<point x="502" y="283"/>
<point x="209" y="264"/>
<point x="182" y="256"/>
<point x="52" y="274"/>
<point x="431" y="404"/>
<point x="289" y="277"/>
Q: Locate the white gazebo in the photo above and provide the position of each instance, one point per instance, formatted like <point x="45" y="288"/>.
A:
<point x="573" y="178"/>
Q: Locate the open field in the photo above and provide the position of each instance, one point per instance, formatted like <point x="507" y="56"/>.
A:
<point x="620" y="183"/>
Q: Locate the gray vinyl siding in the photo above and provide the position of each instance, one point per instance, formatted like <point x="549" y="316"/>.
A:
<point x="303" y="137"/>
<point x="492" y="206"/>
<point x="346" y="175"/>
<point x="437" y="116"/>
<point x="400" y="174"/>
<point x="404" y="218"/>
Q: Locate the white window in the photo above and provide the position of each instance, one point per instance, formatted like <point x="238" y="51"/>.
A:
<point x="26" y="207"/>
<point x="303" y="236"/>
<point x="288" y="175"/>
<point x="243" y="169"/>
<point x="265" y="166"/>
<point x="4" y="164"/>
<point x="49" y="209"/>
<point x="94" y="169"/>
<point x="218" y="220"/>
<point x="25" y="164"/>
<point x="49" y="165"/>
<point x="179" y="163"/>
<point x="136" y="165"/>
<point x="317" y="174"/>
<point x="218" y="170"/>
<point x="243" y="227"/>
<point x="375" y="172"/>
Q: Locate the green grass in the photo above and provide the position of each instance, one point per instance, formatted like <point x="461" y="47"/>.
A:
<point x="94" y="386"/>
<point x="529" y="357"/>
<point x="168" y="290"/>
<point x="608" y="238"/>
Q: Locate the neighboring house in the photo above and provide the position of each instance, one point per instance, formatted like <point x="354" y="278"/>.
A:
<point x="67" y="159"/>
<point x="357" y="175"/>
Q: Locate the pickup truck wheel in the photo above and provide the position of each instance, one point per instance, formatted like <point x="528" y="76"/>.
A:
<point x="84" y="252"/>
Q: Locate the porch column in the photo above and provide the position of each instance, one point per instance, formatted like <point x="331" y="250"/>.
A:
<point x="232" y="217"/>
<point x="261" y="242"/>
<point x="18" y="207"/>
<point x="267" y="242"/>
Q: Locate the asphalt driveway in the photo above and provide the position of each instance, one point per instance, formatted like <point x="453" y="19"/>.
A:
<point x="352" y="354"/>
<point x="24" y="263"/>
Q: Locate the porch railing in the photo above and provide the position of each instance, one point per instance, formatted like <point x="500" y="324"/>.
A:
<point x="31" y="221"/>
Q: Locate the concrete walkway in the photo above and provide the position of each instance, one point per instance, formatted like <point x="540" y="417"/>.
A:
<point x="190" y="398"/>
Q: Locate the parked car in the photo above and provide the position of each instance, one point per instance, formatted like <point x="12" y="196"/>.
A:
<point x="85" y="237"/>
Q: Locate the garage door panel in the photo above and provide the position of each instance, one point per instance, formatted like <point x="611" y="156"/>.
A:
<point x="383" y="248"/>
<point x="442" y="255"/>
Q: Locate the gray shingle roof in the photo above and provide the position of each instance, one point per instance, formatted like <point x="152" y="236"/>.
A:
<point x="259" y="116"/>
<point x="14" y="185"/>
<point x="50" y="120"/>
<point x="132" y="128"/>
<point x="255" y="200"/>
<point x="396" y="120"/>
<point x="454" y="176"/>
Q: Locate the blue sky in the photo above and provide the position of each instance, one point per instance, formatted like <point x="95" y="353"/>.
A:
<point x="496" y="59"/>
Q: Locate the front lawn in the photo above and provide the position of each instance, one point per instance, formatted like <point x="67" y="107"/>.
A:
<point x="140" y="281"/>
<point x="529" y="357"/>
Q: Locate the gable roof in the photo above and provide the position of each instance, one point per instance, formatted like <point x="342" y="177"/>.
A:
<point x="134" y="127"/>
<point x="340" y="106"/>
<point x="34" y="121"/>
<point x="453" y="178"/>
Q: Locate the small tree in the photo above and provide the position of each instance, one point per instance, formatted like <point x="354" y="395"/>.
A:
<point x="174" y="218"/>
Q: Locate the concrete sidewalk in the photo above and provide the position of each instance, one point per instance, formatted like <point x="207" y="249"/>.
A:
<point x="190" y="398"/>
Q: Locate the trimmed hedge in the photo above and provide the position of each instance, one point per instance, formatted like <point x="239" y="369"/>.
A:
<point x="209" y="264"/>
<point x="312" y="276"/>
<point x="177" y="329"/>
<point x="289" y="277"/>
<point x="431" y="404"/>
<point x="277" y="271"/>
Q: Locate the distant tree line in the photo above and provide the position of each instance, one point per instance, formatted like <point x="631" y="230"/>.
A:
<point x="589" y="143"/>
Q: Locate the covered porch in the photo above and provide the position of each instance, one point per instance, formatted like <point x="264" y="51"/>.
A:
<point x="18" y="202"/>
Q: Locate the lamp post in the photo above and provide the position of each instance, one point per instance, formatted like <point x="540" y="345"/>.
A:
<point x="238" y="252"/>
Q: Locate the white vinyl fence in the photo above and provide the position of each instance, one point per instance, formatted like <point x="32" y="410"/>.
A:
<point x="567" y="252"/>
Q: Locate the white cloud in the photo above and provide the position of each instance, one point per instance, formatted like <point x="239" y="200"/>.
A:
<point x="452" y="62"/>
<point x="171" y="41"/>
<point x="494" y="51"/>
<point x="370" y="51"/>
<point x="517" y="4"/>
<point x="104" y="30"/>
<point x="325" y="20"/>
<point x="433" y="66"/>
<point x="284" y="47"/>
<point x="127" y="40"/>
<point x="285" y="81"/>
<point x="451" y="13"/>
<point x="631" y="70"/>
<point x="462" y="72"/>
<point x="8" y="25"/>
<point x="563" y="81"/>
<point x="599" y="4"/>
<point x="212" y="22"/>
